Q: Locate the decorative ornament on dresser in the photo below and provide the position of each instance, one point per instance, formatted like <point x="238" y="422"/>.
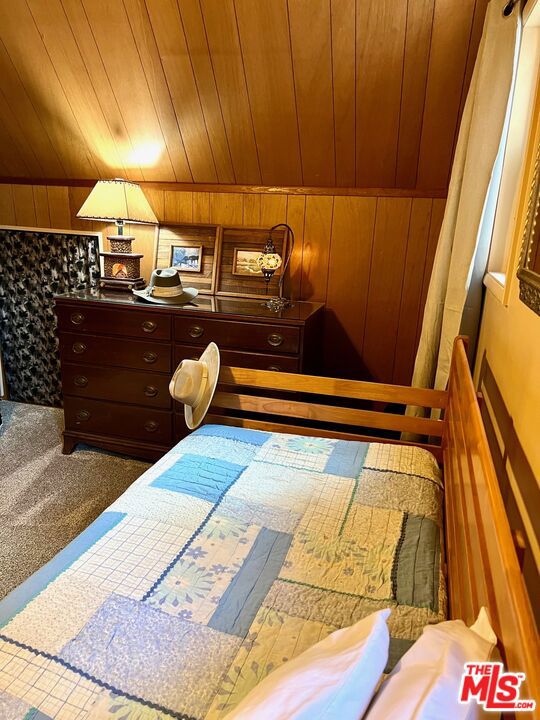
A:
<point x="271" y="261"/>
<point x="121" y="201"/>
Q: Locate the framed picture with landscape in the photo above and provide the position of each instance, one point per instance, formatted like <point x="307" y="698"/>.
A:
<point x="245" y="262"/>
<point x="193" y="250"/>
<point x="239" y="274"/>
<point x="186" y="258"/>
<point x="220" y="260"/>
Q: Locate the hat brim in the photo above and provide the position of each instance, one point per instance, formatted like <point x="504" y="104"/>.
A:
<point x="195" y="415"/>
<point x="187" y="296"/>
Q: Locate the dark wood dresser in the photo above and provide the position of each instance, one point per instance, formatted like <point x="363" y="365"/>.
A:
<point x="118" y="355"/>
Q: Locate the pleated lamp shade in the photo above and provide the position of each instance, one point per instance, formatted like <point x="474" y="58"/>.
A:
<point x="118" y="201"/>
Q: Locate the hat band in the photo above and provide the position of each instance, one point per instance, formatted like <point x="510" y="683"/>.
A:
<point x="166" y="292"/>
<point x="204" y="383"/>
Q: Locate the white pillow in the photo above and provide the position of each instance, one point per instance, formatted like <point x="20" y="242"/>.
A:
<point x="425" y="683"/>
<point x="335" y="678"/>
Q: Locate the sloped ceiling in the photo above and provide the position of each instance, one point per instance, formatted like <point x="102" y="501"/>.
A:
<point x="363" y="93"/>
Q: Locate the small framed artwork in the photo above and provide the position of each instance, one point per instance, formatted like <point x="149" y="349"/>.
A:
<point x="245" y="263"/>
<point x="193" y="249"/>
<point x="187" y="258"/>
<point x="239" y="274"/>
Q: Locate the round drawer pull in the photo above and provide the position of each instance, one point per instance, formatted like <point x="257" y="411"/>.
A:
<point x="77" y="318"/>
<point x="195" y="331"/>
<point x="80" y="381"/>
<point x="275" y="339"/>
<point x="151" y="426"/>
<point x="148" y="326"/>
<point x="149" y="357"/>
<point x="150" y="391"/>
<point x="78" y="348"/>
<point x="82" y="416"/>
<point x="275" y="368"/>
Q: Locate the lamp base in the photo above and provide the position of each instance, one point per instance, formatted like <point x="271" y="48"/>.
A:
<point x="277" y="304"/>
<point x="125" y="284"/>
<point x="122" y="269"/>
<point x="120" y="243"/>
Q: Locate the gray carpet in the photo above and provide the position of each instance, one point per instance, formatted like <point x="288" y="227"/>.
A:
<point x="47" y="498"/>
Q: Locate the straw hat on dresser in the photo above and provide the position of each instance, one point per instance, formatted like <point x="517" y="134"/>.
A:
<point x="194" y="383"/>
<point x="165" y="288"/>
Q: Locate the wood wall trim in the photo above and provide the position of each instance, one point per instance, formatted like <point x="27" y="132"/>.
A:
<point x="246" y="189"/>
<point x="51" y="230"/>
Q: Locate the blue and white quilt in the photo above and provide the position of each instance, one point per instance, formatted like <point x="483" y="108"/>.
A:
<point x="234" y="553"/>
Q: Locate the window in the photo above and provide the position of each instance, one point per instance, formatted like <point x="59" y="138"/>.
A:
<point x="510" y="164"/>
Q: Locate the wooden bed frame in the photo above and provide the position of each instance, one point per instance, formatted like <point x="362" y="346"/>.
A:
<point x="482" y="567"/>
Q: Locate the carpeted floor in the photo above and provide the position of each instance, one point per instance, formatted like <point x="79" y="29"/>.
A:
<point x="47" y="498"/>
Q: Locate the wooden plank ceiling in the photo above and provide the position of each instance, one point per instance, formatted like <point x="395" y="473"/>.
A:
<point x="350" y="93"/>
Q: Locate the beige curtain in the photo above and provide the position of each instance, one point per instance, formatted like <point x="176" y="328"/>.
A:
<point x="454" y="295"/>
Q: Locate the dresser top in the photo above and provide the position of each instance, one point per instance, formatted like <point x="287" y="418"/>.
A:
<point x="300" y="311"/>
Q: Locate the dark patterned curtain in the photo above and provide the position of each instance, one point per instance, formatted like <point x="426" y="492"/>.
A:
<point x="35" y="266"/>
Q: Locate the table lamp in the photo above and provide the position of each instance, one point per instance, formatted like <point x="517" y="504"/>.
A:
<point x="120" y="201"/>
<point x="269" y="261"/>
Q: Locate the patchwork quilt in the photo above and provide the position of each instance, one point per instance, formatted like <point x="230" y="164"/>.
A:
<point x="234" y="553"/>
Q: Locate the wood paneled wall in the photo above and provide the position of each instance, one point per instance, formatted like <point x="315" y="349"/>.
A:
<point x="368" y="258"/>
<point x="348" y="93"/>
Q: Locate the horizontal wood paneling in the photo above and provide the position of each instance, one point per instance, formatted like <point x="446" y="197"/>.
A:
<point x="342" y="93"/>
<point x="368" y="258"/>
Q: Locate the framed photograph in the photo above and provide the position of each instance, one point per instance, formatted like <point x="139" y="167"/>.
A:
<point x="245" y="263"/>
<point x="187" y="258"/>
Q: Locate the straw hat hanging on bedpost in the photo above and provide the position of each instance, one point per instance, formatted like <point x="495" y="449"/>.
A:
<point x="194" y="384"/>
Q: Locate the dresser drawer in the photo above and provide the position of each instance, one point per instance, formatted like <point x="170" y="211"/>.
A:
<point x="232" y="334"/>
<point x="237" y="358"/>
<point x="109" y="419"/>
<point x="120" y="352"/>
<point x="126" y="322"/>
<point x="127" y="386"/>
